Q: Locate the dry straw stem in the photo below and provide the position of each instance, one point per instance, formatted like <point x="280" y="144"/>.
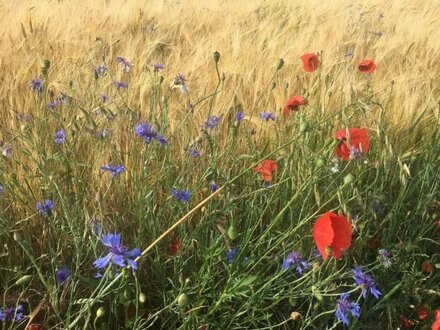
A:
<point x="250" y="35"/>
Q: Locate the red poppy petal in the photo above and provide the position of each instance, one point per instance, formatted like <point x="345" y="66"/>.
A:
<point x="323" y="234"/>
<point x="342" y="151"/>
<point x="342" y="236"/>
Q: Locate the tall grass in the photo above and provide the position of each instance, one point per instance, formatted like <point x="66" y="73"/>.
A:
<point x="393" y="191"/>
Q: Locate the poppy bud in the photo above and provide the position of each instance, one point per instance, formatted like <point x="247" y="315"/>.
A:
<point x="24" y="280"/>
<point x="182" y="301"/>
<point x="348" y="179"/>
<point x="45" y="67"/>
<point x="232" y="233"/>
<point x="280" y="63"/>
<point x="17" y="237"/>
<point x="316" y="293"/>
<point x="303" y="127"/>
<point x="216" y="57"/>
<point x="100" y="312"/>
<point x="320" y="163"/>
<point x="142" y="297"/>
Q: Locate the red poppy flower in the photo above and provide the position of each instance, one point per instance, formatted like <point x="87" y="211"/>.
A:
<point x="407" y="324"/>
<point x="354" y="144"/>
<point x="310" y="62"/>
<point x="436" y="324"/>
<point x="265" y="168"/>
<point x="422" y="313"/>
<point x="293" y="103"/>
<point x="332" y="231"/>
<point x="426" y="267"/>
<point x="367" y="66"/>
<point x="174" y="247"/>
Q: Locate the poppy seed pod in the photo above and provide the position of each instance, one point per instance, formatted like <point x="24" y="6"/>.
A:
<point x="216" y="57"/>
<point x="142" y="297"/>
<point x="280" y="64"/>
<point x="232" y="233"/>
<point x="348" y="179"/>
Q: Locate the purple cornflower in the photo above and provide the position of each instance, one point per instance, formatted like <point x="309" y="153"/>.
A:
<point x="113" y="169"/>
<point x="344" y="306"/>
<point x="355" y="153"/>
<point x="366" y="282"/>
<point x="212" y="122"/>
<point x="181" y="195"/>
<point x="117" y="253"/>
<point x="267" y="116"/>
<point x="377" y="207"/>
<point x="100" y="71"/>
<point x="146" y="132"/>
<point x="120" y="84"/>
<point x="102" y="134"/>
<point x="62" y="275"/>
<point x="96" y="227"/>
<point x="239" y="116"/>
<point x="59" y="136"/>
<point x="231" y="254"/>
<point x="36" y="85"/>
<point x="125" y="65"/>
<point x="384" y="258"/>
<point x="293" y="258"/>
<point x="213" y="186"/>
<point x="349" y="53"/>
<point x="7" y="150"/>
<point x="180" y="81"/>
<point x="12" y="314"/>
<point x="45" y="208"/>
<point x="193" y="152"/>
<point x="157" y="67"/>
<point x="103" y="98"/>
<point x="53" y="104"/>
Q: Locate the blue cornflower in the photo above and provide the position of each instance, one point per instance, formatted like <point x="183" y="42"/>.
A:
<point x="384" y="258"/>
<point x="267" y="116"/>
<point x="53" y="104"/>
<point x="62" y="275"/>
<point x="120" y="84"/>
<point x="100" y="71"/>
<point x="294" y="258"/>
<point x="125" y="65"/>
<point x="59" y="136"/>
<point x="180" y="79"/>
<point x="2" y="190"/>
<point x="193" y="152"/>
<point x="11" y="314"/>
<point x="157" y="67"/>
<point x="213" y="186"/>
<point x="45" y="208"/>
<point x="365" y="281"/>
<point x="36" y="85"/>
<point x="211" y="122"/>
<point x="181" y="195"/>
<point x="146" y="132"/>
<point x="231" y="253"/>
<point x="239" y="116"/>
<point x="103" y="98"/>
<point x="117" y="253"/>
<point x="113" y="169"/>
<point x="344" y="306"/>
